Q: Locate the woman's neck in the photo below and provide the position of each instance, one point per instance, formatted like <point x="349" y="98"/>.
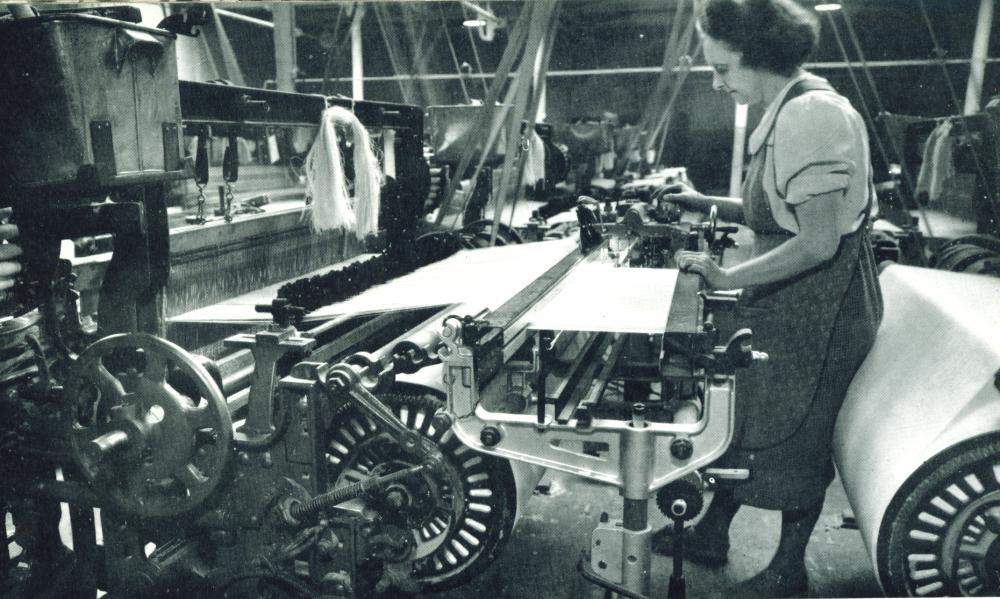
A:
<point x="773" y="83"/>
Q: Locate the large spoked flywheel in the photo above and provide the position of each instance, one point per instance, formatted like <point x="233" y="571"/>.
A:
<point x="945" y="536"/>
<point x="460" y="516"/>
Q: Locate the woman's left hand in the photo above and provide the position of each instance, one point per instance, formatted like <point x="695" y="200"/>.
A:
<point x="715" y="276"/>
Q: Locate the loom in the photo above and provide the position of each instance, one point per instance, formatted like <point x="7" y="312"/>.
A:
<point x="328" y="464"/>
<point x="526" y="350"/>
<point x="113" y="419"/>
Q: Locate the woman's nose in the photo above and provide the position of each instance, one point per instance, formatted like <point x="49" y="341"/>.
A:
<point x="717" y="83"/>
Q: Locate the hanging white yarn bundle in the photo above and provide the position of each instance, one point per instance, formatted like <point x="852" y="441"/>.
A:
<point x="367" y="179"/>
<point x="326" y="183"/>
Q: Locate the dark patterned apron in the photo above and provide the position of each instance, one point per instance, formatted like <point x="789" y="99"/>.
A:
<point x="817" y="328"/>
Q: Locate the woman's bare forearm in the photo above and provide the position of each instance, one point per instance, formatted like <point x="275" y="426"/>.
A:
<point x="730" y="208"/>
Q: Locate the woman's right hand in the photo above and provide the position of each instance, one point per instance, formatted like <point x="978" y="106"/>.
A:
<point x="680" y="194"/>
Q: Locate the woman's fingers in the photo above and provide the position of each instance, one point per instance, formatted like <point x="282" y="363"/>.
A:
<point x="688" y="261"/>
<point x="8" y="269"/>
<point x="9" y="250"/>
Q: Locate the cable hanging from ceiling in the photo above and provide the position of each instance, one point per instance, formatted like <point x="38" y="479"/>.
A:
<point x="538" y="89"/>
<point x="663" y="127"/>
<point x="333" y="49"/>
<point x="515" y="48"/>
<point x="526" y="96"/>
<point x="393" y="50"/>
<point x="656" y="121"/>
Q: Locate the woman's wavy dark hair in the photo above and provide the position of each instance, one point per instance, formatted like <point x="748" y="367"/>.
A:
<point x="774" y="35"/>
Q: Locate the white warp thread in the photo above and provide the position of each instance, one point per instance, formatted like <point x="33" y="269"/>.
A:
<point x="326" y="184"/>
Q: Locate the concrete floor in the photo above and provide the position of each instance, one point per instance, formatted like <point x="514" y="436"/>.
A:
<point x="540" y="559"/>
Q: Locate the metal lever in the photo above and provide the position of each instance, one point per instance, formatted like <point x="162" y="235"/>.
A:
<point x="677" y="587"/>
<point x="343" y="379"/>
<point x="712" y="476"/>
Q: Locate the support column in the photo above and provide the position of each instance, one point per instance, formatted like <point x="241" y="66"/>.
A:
<point x="980" y="48"/>
<point x="357" y="56"/>
<point x="637" y="471"/>
<point x="739" y="147"/>
<point x="285" y="60"/>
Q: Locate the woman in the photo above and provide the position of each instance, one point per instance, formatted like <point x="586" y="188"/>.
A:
<point x="811" y="292"/>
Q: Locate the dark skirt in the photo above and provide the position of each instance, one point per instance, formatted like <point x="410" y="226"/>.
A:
<point x="816" y="328"/>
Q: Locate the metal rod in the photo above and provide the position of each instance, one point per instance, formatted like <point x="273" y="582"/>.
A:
<point x="602" y="380"/>
<point x="238" y="380"/>
<point x="245" y="18"/>
<point x="344" y="342"/>
<point x="584" y="367"/>
<point x="329" y="325"/>
<point x="678" y="587"/>
<point x="486" y="14"/>
<point x="640" y="71"/>
<point x="544" y="342"/>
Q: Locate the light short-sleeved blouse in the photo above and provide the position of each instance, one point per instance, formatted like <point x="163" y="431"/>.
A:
<point x="818" y="145"/>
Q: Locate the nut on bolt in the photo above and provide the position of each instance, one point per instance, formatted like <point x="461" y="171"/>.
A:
<point x="490" y="436"/>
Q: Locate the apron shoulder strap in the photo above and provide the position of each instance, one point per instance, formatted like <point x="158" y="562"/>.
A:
<point x="804" y="86"/>
<point x="801" y="87"/>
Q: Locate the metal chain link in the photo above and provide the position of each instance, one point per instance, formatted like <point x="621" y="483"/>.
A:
<point x="228" y="210"/>
<point x="201" y="204"/>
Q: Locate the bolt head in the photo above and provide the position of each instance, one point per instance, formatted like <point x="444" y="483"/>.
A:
<point x="682" y="449"/>
<point x="490" y="436"/>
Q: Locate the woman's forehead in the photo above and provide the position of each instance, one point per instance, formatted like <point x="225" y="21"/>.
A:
<point x="717" y="52"/>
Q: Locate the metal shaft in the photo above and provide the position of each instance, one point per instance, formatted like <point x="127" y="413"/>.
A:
<point x="347" y="493"/>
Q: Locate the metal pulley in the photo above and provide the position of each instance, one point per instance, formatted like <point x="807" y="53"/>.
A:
<point x="150" y="450"/>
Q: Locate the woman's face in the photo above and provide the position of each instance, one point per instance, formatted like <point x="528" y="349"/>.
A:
<point x="729" y="74"/>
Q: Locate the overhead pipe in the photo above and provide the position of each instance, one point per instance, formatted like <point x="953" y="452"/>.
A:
<point x="640" y="70"/>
